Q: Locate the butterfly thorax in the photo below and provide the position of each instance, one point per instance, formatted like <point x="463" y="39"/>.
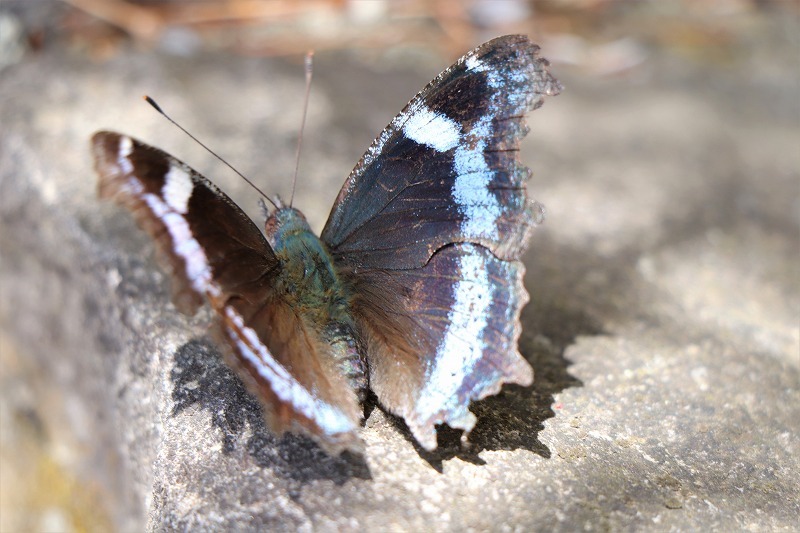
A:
<point x="309" y="282"/>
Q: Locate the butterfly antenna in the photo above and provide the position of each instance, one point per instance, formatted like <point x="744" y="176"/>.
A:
<point x="309" y="66"/>
<point x="209" y="150"/>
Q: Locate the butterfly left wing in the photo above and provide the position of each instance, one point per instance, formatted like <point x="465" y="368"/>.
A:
<point x="216" y="254"/>
<point x="430" y="226"/>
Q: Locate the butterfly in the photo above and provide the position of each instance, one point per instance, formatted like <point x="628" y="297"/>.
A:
<point x="413" y="289"/>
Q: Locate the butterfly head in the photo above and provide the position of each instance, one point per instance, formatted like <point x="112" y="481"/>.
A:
<point x="283" y="222"/>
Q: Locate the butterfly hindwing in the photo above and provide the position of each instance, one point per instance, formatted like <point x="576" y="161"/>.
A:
<point x="437" y="214"/>
<point x="216" y="254"/>
<point x="459" y="338"/>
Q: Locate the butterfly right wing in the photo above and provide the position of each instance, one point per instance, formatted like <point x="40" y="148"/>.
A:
<point x="431" y="226"/>
<point x="215" y="253"/>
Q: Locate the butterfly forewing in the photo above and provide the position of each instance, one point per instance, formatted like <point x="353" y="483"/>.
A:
<point x="446" y="169"/>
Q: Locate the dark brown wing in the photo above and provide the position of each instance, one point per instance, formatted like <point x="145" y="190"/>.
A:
<point x="215" y="253"/>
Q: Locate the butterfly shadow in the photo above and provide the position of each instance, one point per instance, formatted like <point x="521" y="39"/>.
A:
<point x="200" y="378"/>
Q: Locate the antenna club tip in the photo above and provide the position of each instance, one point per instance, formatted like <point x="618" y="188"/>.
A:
<point x="153" y="103"/>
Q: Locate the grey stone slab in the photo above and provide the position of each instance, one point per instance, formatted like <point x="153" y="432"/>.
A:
<point x="663" y="326"/>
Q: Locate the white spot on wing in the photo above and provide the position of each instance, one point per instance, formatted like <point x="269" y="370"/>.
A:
<point x="462" y="345"/>
<point x="198" y="271"/>
<point x="432" y="129"/>
<point x="473" y="63"/>
<point x="177" y="190"/>
<point x="477" y="204"/>
<point x="123" y="153"/>
<point x="185" y="245"/>
<point x="125" y="146"/>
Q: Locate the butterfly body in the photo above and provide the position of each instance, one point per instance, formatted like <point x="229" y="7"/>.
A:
<point x="309" y="283"/>
<point x="413" y="290"/>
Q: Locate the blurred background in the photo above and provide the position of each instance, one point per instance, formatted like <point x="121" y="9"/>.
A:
<point x="603" y="36"/>
<point x="669" y="162"/>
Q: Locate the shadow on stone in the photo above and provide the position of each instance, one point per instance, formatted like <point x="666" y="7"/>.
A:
<point x="201" y="377"/>
<point x="513" y="419"/>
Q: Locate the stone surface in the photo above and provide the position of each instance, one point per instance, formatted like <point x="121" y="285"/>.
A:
<point x="663" y="326"/>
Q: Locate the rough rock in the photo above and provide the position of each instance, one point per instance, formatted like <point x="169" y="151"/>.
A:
<point x="663" y="326"/>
